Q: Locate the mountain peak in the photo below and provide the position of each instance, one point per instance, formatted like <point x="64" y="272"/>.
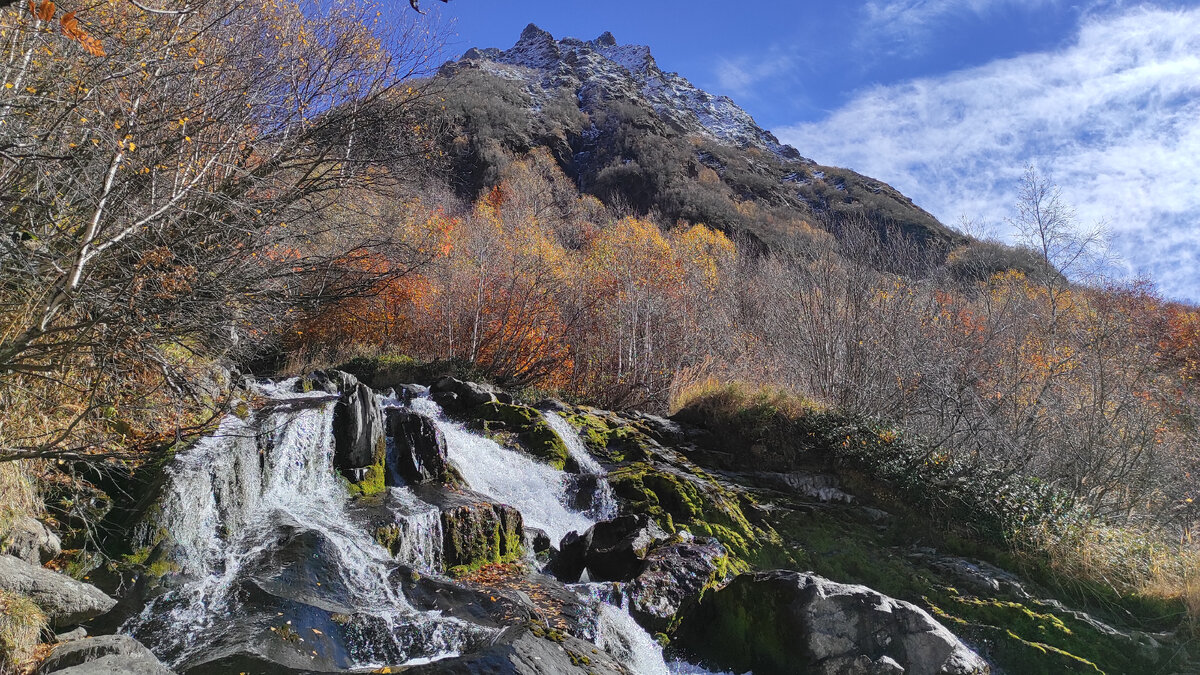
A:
<point x="603" y="70"/>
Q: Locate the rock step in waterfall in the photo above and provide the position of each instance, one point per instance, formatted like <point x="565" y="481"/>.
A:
<point x="334" y="528"/>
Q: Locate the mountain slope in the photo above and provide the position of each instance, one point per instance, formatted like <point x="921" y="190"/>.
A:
<point x="649" y="140"/>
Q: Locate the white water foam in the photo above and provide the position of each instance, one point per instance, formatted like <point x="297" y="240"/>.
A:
<point x="225" y="504"/>
<point x="538" y="491"/>
<point x="603" y="501"/>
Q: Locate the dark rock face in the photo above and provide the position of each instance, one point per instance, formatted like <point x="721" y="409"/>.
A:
<point x="611" y="550"/>
<point x="418" y="450"/>
<point x="537" y="540"/>
<point x="103" y="655"/>
<point x="465" y="395"/>
<point x="31" y="541"/>
<point x="520" y="651"/>
<point x="787" y="622"/>
<point x="475" y="531"/>
<point x="357" y="429"/>
<point x="64" y="600"/>
<point x="674" y="576"/>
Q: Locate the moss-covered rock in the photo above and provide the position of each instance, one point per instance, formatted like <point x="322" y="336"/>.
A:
<point x="475" y="530"/>
<point x="692" y="501"/>
<point x="612" y="437"/>
<point x="522" y="428"/>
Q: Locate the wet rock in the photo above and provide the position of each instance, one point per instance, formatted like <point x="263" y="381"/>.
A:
<point x="786" y="622"/>
<point x="357" y="429"/>
<point x="408" y="392"/>
<point x="675" y="575"/>
<point x="467" y="395"/>
<point x="537" y="540"/>
<point x="976" y="575"/>
<point x="611" y="550"/>
<point x="475" y="530"/>
<point x="31" y="541"/>
<point x="417" y="452"/>
<point x="520" y="650"/>
<point x="63" y="599"/>
<point x="103" y="655"/>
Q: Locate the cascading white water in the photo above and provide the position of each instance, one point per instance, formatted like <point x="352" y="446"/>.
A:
<point x="603" y="501"/>
<point x="538" y="491"/>
<point x="419" y="540"/>
<point x="618" y="634"/>
<point x="227" y="502"/>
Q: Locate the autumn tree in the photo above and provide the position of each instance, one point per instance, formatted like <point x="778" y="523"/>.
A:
<point x="162" y="200"/>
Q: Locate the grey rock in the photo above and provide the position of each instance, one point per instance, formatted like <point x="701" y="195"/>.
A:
<point x="806" y="623"/>
<point x="71" y="635"/>
<point x="611" y="550"/>
<point x="467" y="394"/>
<point x="417" y="452"/>
<point x="31" y="541"/>
<point x="675" y="575"/>
<point x="517" y="651"/>
<point x="103" y="655"/>
<point x="357" y="428"/>
<point x="65" y="600"/>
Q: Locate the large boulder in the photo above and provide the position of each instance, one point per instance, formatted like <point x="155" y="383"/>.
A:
<point x="521" y="650"/>
<point x="104" y="655"/>
<point x="31" y="541"/>
<point x="475" y="530"/>
<point x="788" y="622"/>
<point x="64" y="600"/>
<point x="456" y="396"/>
<point x="357" y="429"/>
<point x="675" y="575"/>
<point x="611" y="550"/>
<point x="418" y="450"/>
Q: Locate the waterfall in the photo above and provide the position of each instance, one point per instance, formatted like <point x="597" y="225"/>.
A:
<point x="419" y="531"/>
<point x="603" y="501"/>
<point x="619" y="635"/>
<point x="237" y="506"/>
<point x="538" y="491"/>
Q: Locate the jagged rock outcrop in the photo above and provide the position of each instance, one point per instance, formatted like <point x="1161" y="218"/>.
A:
<point x="103" y="655"/>
<point x="785" y="622"/>
<point x="475" y="530"/>
<point x="417" y="452"/>
<point x="455" y="395"/>
<point x="31" y="541"/>
<point x="611" y="550"/>
<point x="64" y="600"/>
<point x="357" y="428"/>
<point x="673" y="575"/>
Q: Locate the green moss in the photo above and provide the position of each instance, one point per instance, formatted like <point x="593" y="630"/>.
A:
<point x="480" y="534"/>
<point x="374" y="480"/>
<point x="524" y="429"/>
<point x="616" y="441"/>
<point x="697" y="504"/>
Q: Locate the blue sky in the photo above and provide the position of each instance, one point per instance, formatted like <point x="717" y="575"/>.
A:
<point x="947" y="100"/>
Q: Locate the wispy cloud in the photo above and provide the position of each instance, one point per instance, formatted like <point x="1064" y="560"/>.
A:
<point x="905" y="26"/>
<point x="1114" y="119"/>
<point x="740" y="76"/>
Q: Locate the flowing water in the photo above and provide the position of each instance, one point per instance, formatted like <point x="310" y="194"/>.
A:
<point x="602" y="503"/>
<point x="257" y="510"/>
<point x="538" y="491"/>
<point x="260" y="532"/>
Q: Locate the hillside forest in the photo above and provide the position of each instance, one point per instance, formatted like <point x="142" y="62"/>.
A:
<point x="259" y="186"/>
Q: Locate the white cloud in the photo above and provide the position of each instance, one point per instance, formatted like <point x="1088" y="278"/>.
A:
<point x="910" y="22"/>
<point x="738" y="76"/>
<point x="1114" y="119"/>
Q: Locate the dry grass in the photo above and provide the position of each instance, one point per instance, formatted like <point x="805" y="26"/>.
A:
<point x="1149" y="564"/>
<point x="727" y="399"/>
<point x="18" y="494"/>
<point x="21" y="626"/>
